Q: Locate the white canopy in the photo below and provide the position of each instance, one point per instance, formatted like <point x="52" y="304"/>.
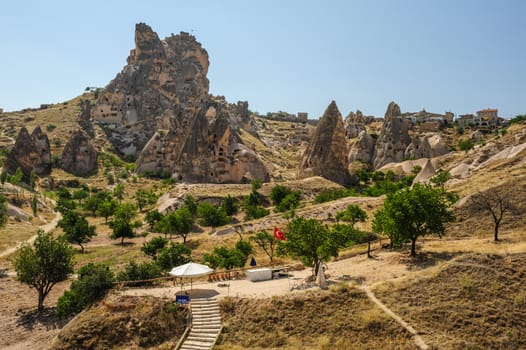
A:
<point x="191" y="270"/>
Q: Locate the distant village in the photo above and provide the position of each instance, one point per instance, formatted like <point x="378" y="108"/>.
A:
<point x="484" y="120"/>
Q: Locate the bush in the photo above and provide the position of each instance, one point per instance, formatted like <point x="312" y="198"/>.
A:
<point x="50" y="127"/>
<point x="139" y="272"/>
<point x="94" y="280"/>
<point x="466" y="145"/>
<point x="331" y="195"/>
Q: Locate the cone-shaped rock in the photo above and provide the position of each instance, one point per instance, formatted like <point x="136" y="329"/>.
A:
<point x="393" y="139"/>
<point x="30" y="152"/>
<point x="326" y="154"/>
<point x="79" y="157"/>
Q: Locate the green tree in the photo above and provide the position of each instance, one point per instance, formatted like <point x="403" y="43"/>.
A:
<point x="189" y="202"/>
<point x="230" y="205"/>
<point x="43" y="264"/>
<point x="122" y="224"/>
<point x="141" y="198"/>
<point x="267" y="242"/>
<point x="310" y="241"/>
<point x="290" y="202"/>
<point x="3" y="211"/>
<point x="412" y="213"/>
<point x="222" y="257"/>
<point x="80" y="195"/>
<point x="440" y="178"/>
<point x="92" y="284"/>
<point x="152" y="217"/>
<point x="167" y="225"/>
<point x="154" y="246"/>
<point x="76" y="228"/>
<point x="211" y="215"/>
<point x="118" y="192"/>
<point x="16" y="179"/>
<point x="106" y="209"/>
<point x="174" y="254"/>
<point x="139" y="272"/>
<point x="185" y="222"/>
<point x="466" y="145"/>
<point x="353" y="214"/>
<point x="278" y="193"/>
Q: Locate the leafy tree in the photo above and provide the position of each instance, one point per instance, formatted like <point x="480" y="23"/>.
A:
<point x="230" y="205"/>
<point x="43" y="264"/>
<point x="497" y="202"/>
<point x="412" y="213"/>
<point x="173" y="255"/>
<point x="118" y="192"/>
<point x="80" y="195"/>
<point x="94" y="280"/>
<point x="167" y="225"/>
<point x="290" y="202"/>
<point x="154" y="246"/>
<point x="3" y="177"/>
<point x="92" y="204"/>
<point x="76" y="228"/>
<point x="185" y="222"/>
<point x="3" y="211"/>
<point x="278" y="193"/>
<point x="122" y="224"/>
<point x="353" y="214"/>
<point x="107" y="209"/>
<point x="310" y="241"/>
<point x="110" y="178"/>
<point x="440" y="178"/>
<point x="211" y="215"/>
<point x="152" y="217"/>
<point x="16" y="179"/>
<point x="189" y="202"/>
<point x="141" y="197"/>
<point x="34" y="205"/>
<point x="223" y="257"/>
<point x="32" y="179"/>
<point x="267" y="242"/>
<point x="245" y="247"/>
<point x="255" y="212"/>
<point x="139" y="272"/>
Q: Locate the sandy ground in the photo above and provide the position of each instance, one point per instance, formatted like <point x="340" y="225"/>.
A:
<point x="384" y="266"/>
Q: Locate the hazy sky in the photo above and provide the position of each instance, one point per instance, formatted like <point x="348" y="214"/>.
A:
<point x="282" y="55"/>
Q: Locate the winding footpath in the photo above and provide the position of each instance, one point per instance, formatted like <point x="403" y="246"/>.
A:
<point x="417" y="338"/>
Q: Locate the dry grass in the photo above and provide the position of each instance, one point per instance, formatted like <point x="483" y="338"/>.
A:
<point x="125" y="323"/>
<point x="341" y="318"/>
<point x="476" y="301"/>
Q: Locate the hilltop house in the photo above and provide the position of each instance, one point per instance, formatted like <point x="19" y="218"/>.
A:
<point x="427" y="121"/>
<point x="485" y="119"/>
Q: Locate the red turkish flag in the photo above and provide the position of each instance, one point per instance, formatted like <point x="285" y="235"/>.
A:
<point x="278" y="234"/>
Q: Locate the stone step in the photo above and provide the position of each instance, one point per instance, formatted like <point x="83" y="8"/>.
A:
<point x="206" y="320"/>
<point x="206" y="328"/>
<point x="202" y="313"/>
<point x="206" y="344"/>
<point x="194" y="347"/>
<point x="201" y="337"/>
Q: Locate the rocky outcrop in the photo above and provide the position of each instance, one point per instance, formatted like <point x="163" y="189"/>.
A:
<point x="326" y="154"/>
<point x="393" y="139"/>
<point x="79" y="157"/>
<point x="354" y="123"/>
<point x="418" y="148"/>
<point x="159" y="109"/>
<point x="30" y="152"/>
<point x="163" y="80"/>
<point x="363" y="149"/>
<point x="213" y="152"/>
<point x="426" y="173"/>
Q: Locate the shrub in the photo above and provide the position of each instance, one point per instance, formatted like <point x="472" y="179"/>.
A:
<point x="50" y="127"/>
<point x="466" y="145"/>
<point x="139" y="272"/>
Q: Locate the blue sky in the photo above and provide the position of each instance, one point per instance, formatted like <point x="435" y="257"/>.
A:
<point x="461" y="55"/>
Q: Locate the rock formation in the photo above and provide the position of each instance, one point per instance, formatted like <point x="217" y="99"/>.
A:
<point x="393" y="139"/>
<point x="363" y="149"/>
<point x="354" y="124"/>
<point x="418" y="148"/>
<point x="159" y="109"/>
<point x="326" y="154"/>
<point x="79" y="157"/>
<point x="30" y="152"/>
<point x="162" y="80"/>
<point x="427" y="172"/>
<point x="213" y="152"/>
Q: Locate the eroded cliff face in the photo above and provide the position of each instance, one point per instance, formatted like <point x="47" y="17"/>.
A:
<point x="326" y="154"/>
<point x="159" y="109"/>
<point x="30" y="152"/>
<point x="79" y="157"/>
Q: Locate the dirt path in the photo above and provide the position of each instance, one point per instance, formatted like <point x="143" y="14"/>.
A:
<point x="46" y="228"/>
<point x="418" y="340"/>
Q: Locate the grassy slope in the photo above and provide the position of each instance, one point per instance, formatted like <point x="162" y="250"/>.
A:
<point x="476" y="301"/>
<point x="340" y="318"/>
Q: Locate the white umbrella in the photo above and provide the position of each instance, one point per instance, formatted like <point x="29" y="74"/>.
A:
<point x="190" y="270"/>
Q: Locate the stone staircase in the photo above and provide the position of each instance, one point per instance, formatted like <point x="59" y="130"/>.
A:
<point x="206" y="324"/>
